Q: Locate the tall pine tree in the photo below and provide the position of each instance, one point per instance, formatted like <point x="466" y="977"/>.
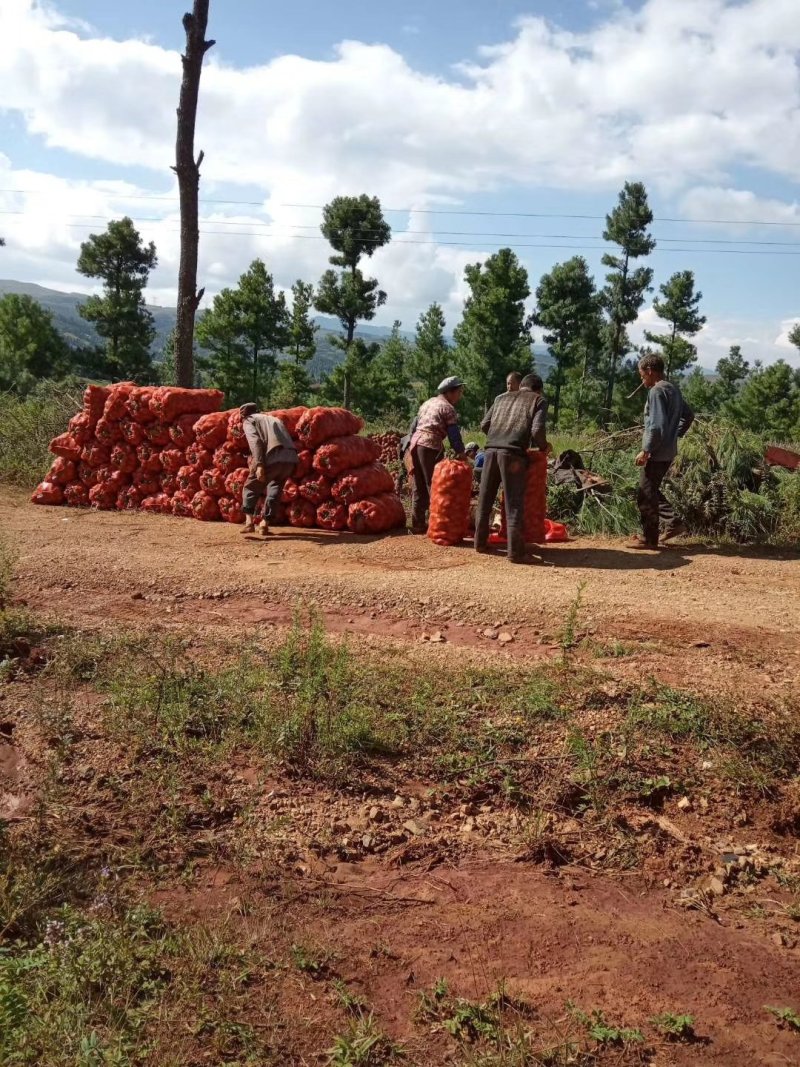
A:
<point x="429" y="359"/>
<point x="680" y="309"/>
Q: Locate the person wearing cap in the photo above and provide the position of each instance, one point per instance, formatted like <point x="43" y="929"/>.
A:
<point x="273" y="458"/>
<point x="514" y="423"/>
<point x="437" y="421"/>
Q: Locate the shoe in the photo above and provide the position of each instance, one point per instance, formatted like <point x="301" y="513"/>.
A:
<point x="248" y="528"/>
<point x="677" y="529"/>
<point x="642" y="545"/>
<point x="484" y="550"/>
<point x="263" y="529"/>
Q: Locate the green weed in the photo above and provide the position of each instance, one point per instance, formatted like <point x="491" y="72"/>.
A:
<point x="787" y="1017"/>
<point x="675" y="1027"/>
<point x="363" y="1045"/>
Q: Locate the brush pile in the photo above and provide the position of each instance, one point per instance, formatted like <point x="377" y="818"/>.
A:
<point x="175" y="452"/>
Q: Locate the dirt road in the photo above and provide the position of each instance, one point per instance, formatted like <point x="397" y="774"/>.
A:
<point x="734" y="613"/>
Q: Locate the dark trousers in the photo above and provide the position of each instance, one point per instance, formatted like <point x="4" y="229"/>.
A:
<point x="510" y="469"/>
<point x="653" y="505"/>
<point x="276" y="475"/>
<point x="424" y="460"/>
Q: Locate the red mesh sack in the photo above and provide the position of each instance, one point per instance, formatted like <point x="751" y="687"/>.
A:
<point x="182" y="431"/>
<point x="323" y="424"/>
<point x="213" y="481"/>
<point x="362" y="482"/>
<point x="451" y="492"/>
<point x="149" y="457"/>
<point x="211" y="430"/>
<point x="168" y="483"/>
<point x="80" y="427"/>
<point x="159" y="503"/>
<point x="290" y="417"/>
<point x="555" y="532"/>
<point x="230" y="509"/>
<point x="189" y="479"/>
<point x="236" y="430"/>
<point x="302" y="513"/>
<point x="117" y="404"/>
<point x="109" y="476"/>
<point x="198" y="456"/>
<point x="205" y="507"/>
<point x="87" y="474"/>
<point x="305" y="464"/>
<point x="169" y="402"/>
<point x="95" y="454"/>
<point x="65" y="445"/>
<point x="124" y="458"/>
<point x="108" y="431"/>
<point x="76" y="495"/>
<point x="149" y="484"/>
<point x="62" y="472"/>
<point x="376" y="514"/>
<point x="316" y="488"/>
<point x="172" y="459"/>
<point x="129" y="498"/>
<point x="132" y="432"/>
<point x="332" y="516"/>
<point x="290" y="491"/>
<point x="234" y="483"/>
<point x="343" y="454"/>
<point x="103" y="496"/>
<point x="48" y="493"/>
<point x="94" y="402"/>
<point x="535" y="506"/>
<point x="157" y="433"/>
<point x="182" y="504"/>
<point x="139" y="404"/>
<point x="228" y="458"/>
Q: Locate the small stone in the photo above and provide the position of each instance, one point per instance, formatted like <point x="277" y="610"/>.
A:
<point x="366" y="841"/>
<point x="716" y="887"/>
<point x="438" y="638"/>
<point x="398" y="802"/>
<point x="491" y="634"/>
<point x="469" y="826"/>
<point x="375" y="814"/>
<point x="414" y="827"/>
<point x="706" y="765"/>
<point x="684" y="804"/>
<point x="505" y="638"/>
<point x="779" y="940"/>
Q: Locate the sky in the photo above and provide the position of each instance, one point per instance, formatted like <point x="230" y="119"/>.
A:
<point x="479" y="124"/>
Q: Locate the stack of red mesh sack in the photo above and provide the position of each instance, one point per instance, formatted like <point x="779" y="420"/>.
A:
<point x="173" y="451"/>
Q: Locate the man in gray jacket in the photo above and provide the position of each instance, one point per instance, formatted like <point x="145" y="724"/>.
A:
<point x="515" y="422"/>
<point x="667" y="417"/>
<point x="273" y="458"/>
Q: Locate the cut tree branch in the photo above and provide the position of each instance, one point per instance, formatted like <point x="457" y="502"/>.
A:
<point x="187" y="169"/>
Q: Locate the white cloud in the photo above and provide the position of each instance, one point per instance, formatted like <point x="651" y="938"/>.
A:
<point x="679" y="92"/>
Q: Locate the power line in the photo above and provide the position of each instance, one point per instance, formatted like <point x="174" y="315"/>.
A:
<point x="273" y="232"/>
<point x="436" y="211"/>
<point x="471" y="244"/>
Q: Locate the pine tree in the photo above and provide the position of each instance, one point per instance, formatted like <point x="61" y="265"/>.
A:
<point x="293" y="384"/>
<point x="429" y="359"/>
<point x="680" y="308"/>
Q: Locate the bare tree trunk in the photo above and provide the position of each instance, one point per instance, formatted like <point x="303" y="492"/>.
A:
<point x="188" y="171"/>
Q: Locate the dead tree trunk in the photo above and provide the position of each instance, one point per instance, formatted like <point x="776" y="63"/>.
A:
<point x="188" y="171"/>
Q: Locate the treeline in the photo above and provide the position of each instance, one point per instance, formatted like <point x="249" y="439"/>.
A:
<point x="256" y="343"/>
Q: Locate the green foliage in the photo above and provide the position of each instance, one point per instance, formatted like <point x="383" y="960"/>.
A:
<point x="123" y="263"/>
<point x="493" y="337"/>
<point x="680" y="309"/>
<point x="244" y="330"/>
<point x="31" y="348"/>
<point x="28" y="425"/>
<point x="769" y="402"/>
<point x="628" y="227"/>
<point x="388" y="397"/>
<point x="429" y="360"/>
<point x="675" y="1027"/>
<point x="605" y="1033"/>
<point x="293" y="383"/>
<point x="355" y="227"/>
<point x="363" y="1045"/>
<point x="787" y="1017"/>
<point x="568" y="311"/>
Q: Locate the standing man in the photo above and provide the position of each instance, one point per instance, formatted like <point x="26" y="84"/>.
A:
<point x="667" y="417"/>
<point x="436" y="421"/>
<point x="515" y="422"/>
<point x="513" y="382"/>
<point x="273" y="458"/>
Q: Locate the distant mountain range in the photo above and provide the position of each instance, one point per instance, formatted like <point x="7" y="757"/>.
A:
<point x="64" y="309"/>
